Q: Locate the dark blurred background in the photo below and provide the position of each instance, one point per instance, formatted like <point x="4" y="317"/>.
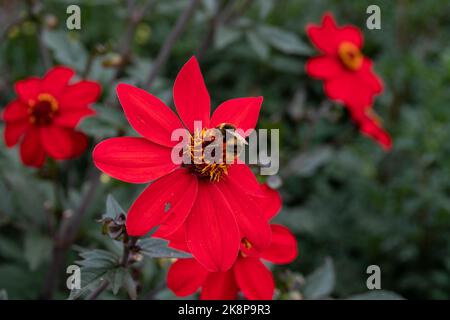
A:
<point x="350" y="204"/>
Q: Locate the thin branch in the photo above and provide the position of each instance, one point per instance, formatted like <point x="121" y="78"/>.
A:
<point x="89" y="63"/>
<point x="69" y="227"/>
<point x="176" y="32"/>
<point x="45" y="54"/>
<point x="34" y="10"/>
<point x="225" y="15"/>
<point x="135" y="16"/>
<point x="96" y="293"/>
<point x="65" y="237"/>
<point x="213" y="26"/>
<point x="128" y="243"/>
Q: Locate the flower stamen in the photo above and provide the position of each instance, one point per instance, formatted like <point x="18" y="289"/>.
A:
<point x="42" y="111"/>
<point x="350" y="56"/>
<point x="209" y="152"/>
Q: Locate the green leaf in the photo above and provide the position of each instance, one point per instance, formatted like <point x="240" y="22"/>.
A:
<point x="99" y="72"/>
<point x="67" y="51"/>
<point x="321" y="282"/>
<point x="28" y="205"/>
<point x="286" y="64"/>
<point x="113" y="208"/>
<point x="105" y="123"/>
<point x="130" y="286"/>
<point x="6" y="206"/>
<point x="10" y="249"/>
<point x="19" y="282"/>
<point x="98" y="258"/>
<point x="305" y="164"/>
<point x="96" y="266"/>
<point x="377" y="295"/>
<point x="158" y="248"/>
<point x="37" y="249"/>
<point x="90" y="279"/>
<point x="265" y="6"/>
<point x="116" y="278"/>
<point x="283" y="40"/>
<point x="258" y="45"/>
<point x="225" y="37"/>
<point x="140" y="69"/>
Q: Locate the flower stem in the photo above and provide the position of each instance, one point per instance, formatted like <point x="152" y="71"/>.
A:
<point x="176" y="32"/>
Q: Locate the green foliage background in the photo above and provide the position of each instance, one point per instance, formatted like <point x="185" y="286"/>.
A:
<point x="350" y="204"/>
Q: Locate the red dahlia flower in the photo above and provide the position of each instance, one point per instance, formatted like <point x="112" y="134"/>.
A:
<point x="347" y="73"/>
<point x="248" y="273"/>
<point x="44" y="116"/>
<point x="211" y="201"/>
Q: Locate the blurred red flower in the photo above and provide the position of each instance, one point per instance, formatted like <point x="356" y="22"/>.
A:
<point x="248" y="273"/>
<point x="347" y="74"/>
<point x="212" y="202"/>
<point x="44" y="116"/>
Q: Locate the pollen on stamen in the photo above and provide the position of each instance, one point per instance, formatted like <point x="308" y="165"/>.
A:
<point x="247" y="246"/>
<point x="200" y="165"/>
<point x="42" y="110"/>
<point x="350" y="55"/>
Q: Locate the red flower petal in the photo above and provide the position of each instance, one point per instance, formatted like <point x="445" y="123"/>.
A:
<point x="244" y="176"/>
<point x="185" y="276"/>
<point x="177" y="240"/>
<point x="350" y="90"/>
<point x="254" y="279"/>
<point x="322" y="36"/>
<point x="13" y="131"/>
<point x="134" y="160"/>
<point x="372" y="129"/>
<point x="349" y="33"/>
<point x="369" y="78"/>
<point x="169" y="198"/>
<point x="148" y="115"/>
<point x="220" y="286"/>
<point x="28" y="89"/>
<point x="63" y="143"/>
<point x="270" y="203"/>
<point x="191" y="96"/>
<point x="80" y="94"/>
<point x="14" y="111"/>
<point x="55" y="81"/>
<point x="32" y="152"/>
<point x="212" y="233"/>
<point x="324" y="67"/>
<point x="241" y="112"/>
<point x="70" y="118"/>
<point x="283" y="248"/>
<point x="328" y="36"/>
<point x="249" y="216"/>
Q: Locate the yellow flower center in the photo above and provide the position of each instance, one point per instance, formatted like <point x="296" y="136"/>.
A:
<point x="350" y="55"/>
<point x="211" y="153"/>
<point x="247" y="246"/>
<point x="200" y="163"/>
<point x="43" y="110"/>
